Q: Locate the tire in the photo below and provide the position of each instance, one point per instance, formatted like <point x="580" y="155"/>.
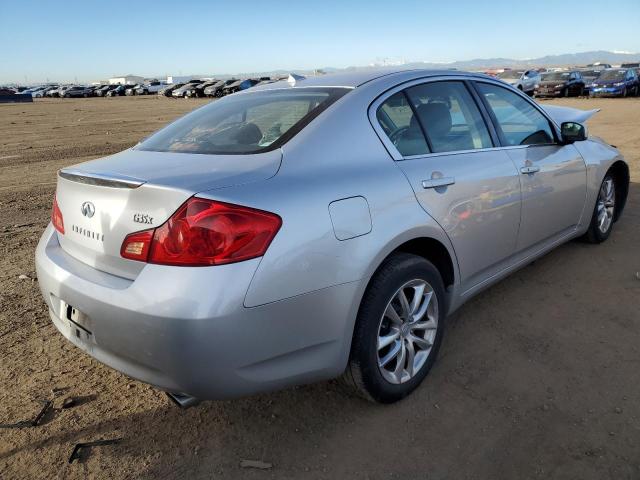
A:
<point x="565" y="93"/>
<point x="85" y="95"/>
<point x="606" y="201"/>
<point x="367" y="373"/>
<point x="624" y="93"/>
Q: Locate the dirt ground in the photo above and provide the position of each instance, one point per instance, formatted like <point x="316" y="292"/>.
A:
<point x="538" y="377"/>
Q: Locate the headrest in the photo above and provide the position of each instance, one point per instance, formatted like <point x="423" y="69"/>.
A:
<point x="248" y="134"/>
<point x="435" y="117"/>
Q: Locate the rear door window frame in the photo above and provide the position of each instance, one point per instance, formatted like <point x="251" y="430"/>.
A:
<point x="479" y="104"/>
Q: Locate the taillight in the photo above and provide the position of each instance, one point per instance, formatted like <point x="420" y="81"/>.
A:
<point x="205" y="232"/>
<point x="56" y="216"/>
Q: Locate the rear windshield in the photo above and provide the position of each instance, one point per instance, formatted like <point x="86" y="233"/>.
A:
<point x="245" y="123"/>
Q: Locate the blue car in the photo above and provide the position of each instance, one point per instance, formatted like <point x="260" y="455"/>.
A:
<point x="615" y="82"/>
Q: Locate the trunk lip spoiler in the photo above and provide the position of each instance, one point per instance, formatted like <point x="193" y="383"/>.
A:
<point x="112" y="180"/>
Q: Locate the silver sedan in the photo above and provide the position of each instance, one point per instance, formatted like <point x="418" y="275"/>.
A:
<point x="317" y="227"/>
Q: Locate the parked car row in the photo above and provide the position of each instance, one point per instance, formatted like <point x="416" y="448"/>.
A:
<point x="610" y="82"/>
<point x="211" y="88"/>
<point x="191" y="89"/>
<point x="593" y="80"/>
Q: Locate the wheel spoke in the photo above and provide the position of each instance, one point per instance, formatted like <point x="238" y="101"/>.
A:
<point x="426" y="325"/>
<point x="397" y="372"/>
<point x="610" y="198"/>
<point x="392" y="315"/>
<point x="418" y="293"/>
<point x="406" y="309"/>
<point x="420" y="342"/>
<point x="411" y="355"/>
<point x="393" y="353"/>
<point x="387" y="339"/>
<point x="417" y="316"/>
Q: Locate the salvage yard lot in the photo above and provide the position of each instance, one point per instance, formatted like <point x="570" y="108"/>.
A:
<point x="538" y="377"/>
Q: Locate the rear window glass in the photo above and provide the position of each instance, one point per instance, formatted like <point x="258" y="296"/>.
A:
<point x="246" y="123"/>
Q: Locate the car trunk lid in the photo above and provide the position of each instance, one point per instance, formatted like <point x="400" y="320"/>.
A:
<point x="104" y="200"/>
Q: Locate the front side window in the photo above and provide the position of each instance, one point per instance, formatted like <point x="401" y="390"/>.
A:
<point x="243" y="124"/>
<point x="518" y="122"/>
<point x="449" y="116"/>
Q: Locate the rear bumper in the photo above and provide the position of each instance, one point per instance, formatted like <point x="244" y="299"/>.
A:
<point x="186" y="329"/>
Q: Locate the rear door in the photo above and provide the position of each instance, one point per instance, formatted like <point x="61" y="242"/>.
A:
<point x="445" y="148"/>
<point x="553" y="176"/>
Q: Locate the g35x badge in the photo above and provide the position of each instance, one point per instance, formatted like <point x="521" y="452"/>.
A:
<point x="142" y="218"/>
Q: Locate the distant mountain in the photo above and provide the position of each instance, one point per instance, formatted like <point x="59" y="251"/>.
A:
<point x="566" y="59"/>
<point x="563" y="60"/>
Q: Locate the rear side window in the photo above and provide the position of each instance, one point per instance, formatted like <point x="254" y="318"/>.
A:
<point x="247" y="123"/>
<point x="518" y="122"/>
<point x="449" y="116"/>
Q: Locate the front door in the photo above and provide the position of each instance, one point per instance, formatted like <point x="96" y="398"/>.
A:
<point x="553" y="176"/>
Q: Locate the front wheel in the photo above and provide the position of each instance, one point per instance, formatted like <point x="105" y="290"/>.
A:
<point x="398" y="330"/>
<point x="604" y="212"/>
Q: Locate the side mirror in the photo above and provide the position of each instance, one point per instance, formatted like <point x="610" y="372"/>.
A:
<point x="572" y="132"/>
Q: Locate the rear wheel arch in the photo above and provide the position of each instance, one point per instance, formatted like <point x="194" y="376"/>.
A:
<point x="433" y="251"/>
<point x="430" y="249"/>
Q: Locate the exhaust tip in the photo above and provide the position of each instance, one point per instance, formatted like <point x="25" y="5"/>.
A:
<point x="183" y="400"/>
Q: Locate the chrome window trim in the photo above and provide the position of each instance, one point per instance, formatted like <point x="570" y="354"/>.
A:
<point x="397" y="156"/>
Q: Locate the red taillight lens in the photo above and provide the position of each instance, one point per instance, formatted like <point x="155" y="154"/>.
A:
<point x="56" y="216"/>
<point x="204" y="232"/>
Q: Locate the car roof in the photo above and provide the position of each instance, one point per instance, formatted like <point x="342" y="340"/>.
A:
<point x="356" y="78"/>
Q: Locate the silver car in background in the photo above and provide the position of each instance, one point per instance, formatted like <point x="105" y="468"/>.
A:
<point x="524" y="80"/>
<point x="318" y="227"/>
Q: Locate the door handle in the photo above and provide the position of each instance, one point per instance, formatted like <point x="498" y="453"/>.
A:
<point x="529" y="170"/>
<point x="438" y="182"/>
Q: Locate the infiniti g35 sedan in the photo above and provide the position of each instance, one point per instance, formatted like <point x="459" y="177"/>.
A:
<point x="315" y="228"/>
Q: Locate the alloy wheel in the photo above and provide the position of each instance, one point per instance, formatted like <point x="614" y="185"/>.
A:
<point x="606" y="205"/>
<point x="407" y="331"/>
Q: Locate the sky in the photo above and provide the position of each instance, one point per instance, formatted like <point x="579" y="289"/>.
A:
<point x="88" y="41"/>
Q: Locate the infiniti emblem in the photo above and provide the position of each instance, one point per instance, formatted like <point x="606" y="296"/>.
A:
<point x="88" y="209"/>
